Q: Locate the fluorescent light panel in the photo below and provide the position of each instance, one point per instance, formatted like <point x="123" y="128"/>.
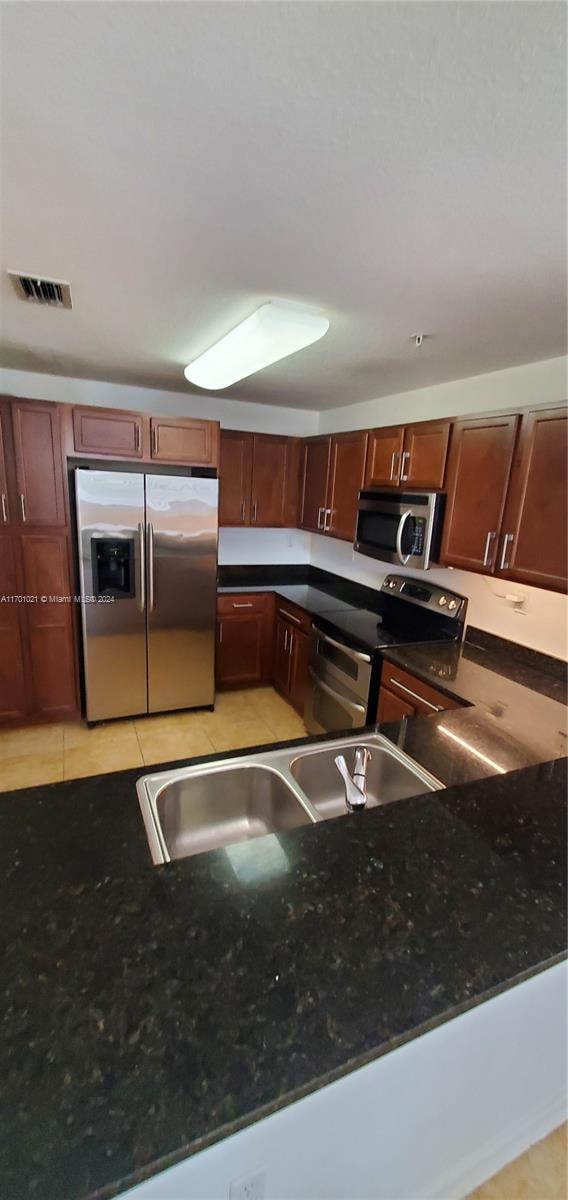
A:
<point x="274" y="331"/>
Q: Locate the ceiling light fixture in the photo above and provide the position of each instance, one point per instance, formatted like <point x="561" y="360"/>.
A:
<point x="274" y="331"/>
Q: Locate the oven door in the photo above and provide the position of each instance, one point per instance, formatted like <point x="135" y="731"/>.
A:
<point x="330" y="708"/>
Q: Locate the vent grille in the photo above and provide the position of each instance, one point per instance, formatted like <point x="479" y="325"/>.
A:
<point x="41" y="291"/>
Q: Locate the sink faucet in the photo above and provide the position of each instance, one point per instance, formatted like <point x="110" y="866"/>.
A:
<point x="356" y="784"/>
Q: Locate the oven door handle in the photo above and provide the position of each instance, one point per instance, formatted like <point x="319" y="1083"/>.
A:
<point x="352" y="708"/>
<point x="356" y="654"/>
<point x="402" y="558"/>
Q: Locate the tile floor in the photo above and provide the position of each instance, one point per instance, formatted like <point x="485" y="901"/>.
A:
<point x="540" y="1174"/>
<point x="51" y="753"/>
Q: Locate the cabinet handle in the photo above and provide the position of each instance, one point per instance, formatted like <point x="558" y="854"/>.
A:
<point x="326" y="514"/>
<point x="254" y="510"/>
<point x="288" y="616"/>
<point x="285" y="640"/>
<point x="4" y="512"/>
<point x="242" y="511"/>
<point x="486" y="555"/>
<point x="507" y="538"/>
<point x="155" y="441"/>
<point x="291" y="642"/>
<point x="320" y="511"/>
<point x="409" y="692"/>
<point x="406" y="455"/>
<point x="23" y="506"/>
<point x="220" y="632"/>
<point x="136" y="437"/>
<point x="242" y="604"/>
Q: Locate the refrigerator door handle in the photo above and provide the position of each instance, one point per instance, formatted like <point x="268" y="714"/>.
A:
<point x="150" y="567"/>
<point x="142" y="547"/>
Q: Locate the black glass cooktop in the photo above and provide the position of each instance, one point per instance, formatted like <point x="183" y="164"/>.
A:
<point x="370" y="631"/>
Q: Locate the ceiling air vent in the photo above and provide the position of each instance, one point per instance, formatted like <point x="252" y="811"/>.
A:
<point x="41" y="291"/>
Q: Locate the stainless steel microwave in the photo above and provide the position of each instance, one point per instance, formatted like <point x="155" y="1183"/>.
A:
<point x="400" y="527"/>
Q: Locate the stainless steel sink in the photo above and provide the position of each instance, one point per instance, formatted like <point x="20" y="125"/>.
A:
<point x="390" y="776"/>
<point x="208" y="807"/>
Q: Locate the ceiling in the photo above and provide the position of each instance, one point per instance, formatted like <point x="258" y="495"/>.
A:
<point x="400" y="165"/>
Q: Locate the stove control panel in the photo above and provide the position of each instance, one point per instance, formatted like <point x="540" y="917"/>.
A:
<point x="427" y="595"/>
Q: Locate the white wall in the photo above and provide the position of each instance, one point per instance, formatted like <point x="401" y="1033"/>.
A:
<point x="515" y="388"/>
<point x="541" y="624"/>
<point x="233" y="414"/>
<point x="252" y="546"/>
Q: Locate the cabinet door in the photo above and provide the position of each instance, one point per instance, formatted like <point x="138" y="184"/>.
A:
<point x="315" y="476"/>
<point x="107" y="431"/>
<point x="49" y="623"/>
<point x="478" y="476"/>
<point x="534" y="538"/>
<point x="240" y="648"/>
<point x="185" y="441"/>
<point x="13" y="692"/>
<point x="348" y="452"/>
<point x="424" y="455"/>
<point x="39" y="467"/>
<point x="282" y="656"/>
<point x="299" y="663"/>
<point x="392" y="708"/>
<point x="384" y="456"/>
<point x="235" y="466"/>
<point x="4" y="498"/>
<point x="269" y="469"/>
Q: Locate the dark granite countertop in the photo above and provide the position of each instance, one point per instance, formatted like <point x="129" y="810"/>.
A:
<point x="122" y="1048"/>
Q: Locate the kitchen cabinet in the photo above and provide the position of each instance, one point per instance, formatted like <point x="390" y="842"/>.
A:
<point x="479" y="469"/>
<point x="38" y="463"/>
<point x="186" y="441"/>
<point x="259" y="477"/>
<point x="408" y="456"/>
<point x="245" y="624"/>
<point x="333" y="474"/>
<point x="13" y="686"/>
<point x="107" y="431"/>
<point x="403" y="695"/>
<point x="4" y="500"/>
<point x="292" y="653"/>
<point x="316" y="456"/>
<point x="534" y="537"/>
<point x="49" y="624"/>
<point x="235" y="470"/>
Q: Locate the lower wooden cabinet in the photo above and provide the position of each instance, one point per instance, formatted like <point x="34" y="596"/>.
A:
<point x="37" y="654"/>
<point x="292" y="653"/>
<point x="403" y="695"/>
<point x="245" y="624"/>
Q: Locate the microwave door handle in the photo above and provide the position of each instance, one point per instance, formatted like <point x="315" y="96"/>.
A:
<point x="402" y="558"/>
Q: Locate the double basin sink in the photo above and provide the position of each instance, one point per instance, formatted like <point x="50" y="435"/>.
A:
<point x="211" y="806"/>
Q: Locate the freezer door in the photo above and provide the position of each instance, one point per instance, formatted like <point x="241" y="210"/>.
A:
<point x="181" y="564"/>
<point x="110" y="529"/>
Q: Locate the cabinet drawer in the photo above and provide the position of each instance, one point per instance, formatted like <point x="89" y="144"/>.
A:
<point x="242" y="602"/>
<point x="414" y="691"/>
<point x="297" y="616"/>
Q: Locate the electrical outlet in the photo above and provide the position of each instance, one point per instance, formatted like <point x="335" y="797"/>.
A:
<point x="248" y="1187"/>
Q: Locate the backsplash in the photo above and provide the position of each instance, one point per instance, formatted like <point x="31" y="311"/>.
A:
<point x="541" y="624"/>
<point x="254" y="546"/>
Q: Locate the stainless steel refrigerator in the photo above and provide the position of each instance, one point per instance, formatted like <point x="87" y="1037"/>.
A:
<point x="148" y="580"/>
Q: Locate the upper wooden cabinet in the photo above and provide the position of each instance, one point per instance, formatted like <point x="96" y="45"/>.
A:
<point x="333" y="473"/>
<point x="184" y="440"/>
<point x="534" y="538"/>
<point x="38" y="463"/>
<point x="408" y="456"/>
<point x="478" y="477"/>
<point x="316" y="457"/>
<point x="106" y="431"/>
<point x="259" y="475"/>
<point x="235" y="468"/>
